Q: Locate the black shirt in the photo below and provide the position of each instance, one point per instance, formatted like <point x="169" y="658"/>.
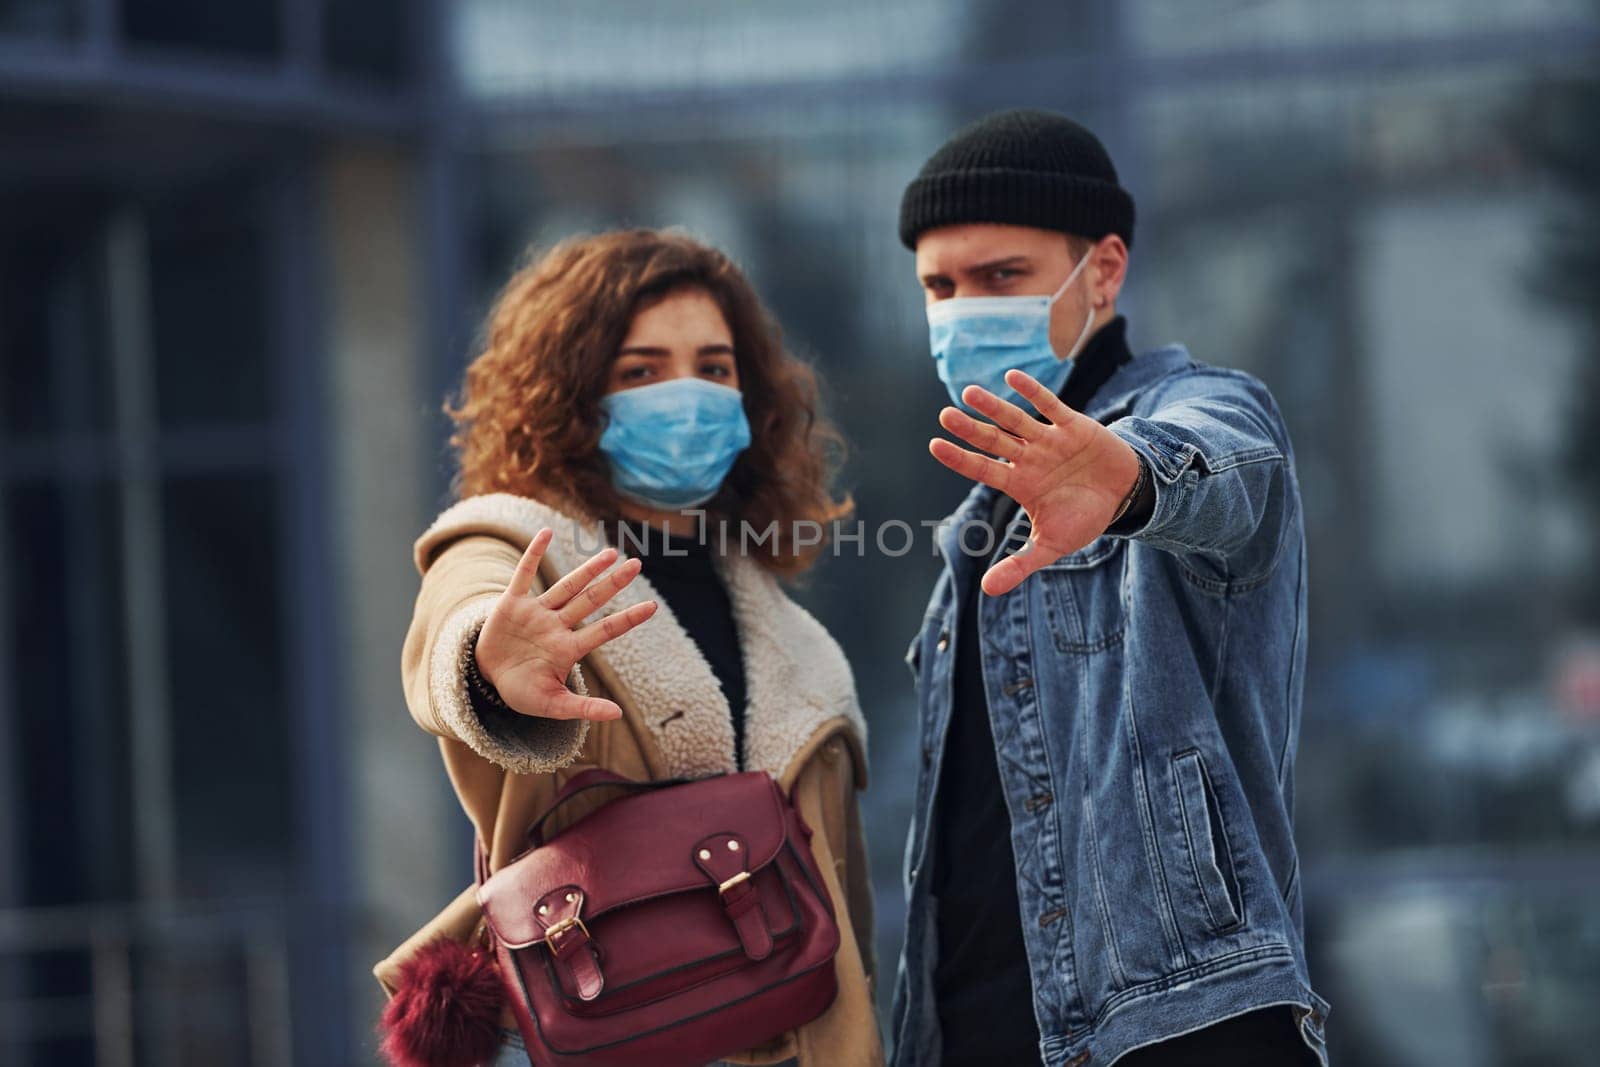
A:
<point x="982" y="988"/>
<point x="683" y="572"/>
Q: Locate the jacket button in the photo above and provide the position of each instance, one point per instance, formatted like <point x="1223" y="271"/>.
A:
<point x="944" y="640"/>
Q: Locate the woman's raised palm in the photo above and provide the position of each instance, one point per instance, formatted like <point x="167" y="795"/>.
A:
<point x="529" y="644"/>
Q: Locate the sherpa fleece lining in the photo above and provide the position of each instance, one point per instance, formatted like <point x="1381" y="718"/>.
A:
<point x="797" y="676"/>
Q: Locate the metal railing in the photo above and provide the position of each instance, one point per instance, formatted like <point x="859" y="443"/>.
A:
<point x="135" y="1004"/>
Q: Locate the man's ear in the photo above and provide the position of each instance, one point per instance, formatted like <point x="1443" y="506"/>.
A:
<point x="1110" y="267"/>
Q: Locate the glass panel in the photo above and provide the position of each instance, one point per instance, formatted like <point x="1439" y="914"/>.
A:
<point x="230" y="728"/>
<point x="49" y="1038"/>
<point x="47" y="19"/>
<point x="68" y="692"/>
<point x="243" y="27"/>
<point x="368" y="39"/>
<point x="1168" y="26"/>
<point x="55" y="373"/>
<point x="211" y="307"/>
<point x="505" y="48"/>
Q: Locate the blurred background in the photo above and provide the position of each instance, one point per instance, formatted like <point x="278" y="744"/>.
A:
<point x="244" y="251"/>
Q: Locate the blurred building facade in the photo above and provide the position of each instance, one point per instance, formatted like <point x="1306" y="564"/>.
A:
<point x="246" y="249"/>
<point x="213" y="458"/>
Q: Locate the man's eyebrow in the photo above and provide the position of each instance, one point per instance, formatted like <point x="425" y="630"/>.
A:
<point x="980" y="268"/>
<point x="997" y="264"/>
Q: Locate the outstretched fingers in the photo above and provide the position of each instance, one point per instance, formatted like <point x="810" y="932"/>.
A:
<point x="581" y="575"/>
<point x="528" y="565"/>
<point x="971" y="465"/>
<point x="1005" y="414"/>
<point x="982" y="435"/>
<point x="599" y="592"/>
<point x="1047" y="403"/>
<point x="612" y="626"/>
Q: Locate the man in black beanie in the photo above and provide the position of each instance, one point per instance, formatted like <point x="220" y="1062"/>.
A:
<point x="1101" y="866"/>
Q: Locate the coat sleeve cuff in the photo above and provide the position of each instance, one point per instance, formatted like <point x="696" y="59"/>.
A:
<point x="1168" y="459"/>
<point x="523" y="744"/>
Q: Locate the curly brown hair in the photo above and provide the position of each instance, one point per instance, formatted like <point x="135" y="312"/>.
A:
<point x="528" y="419"/>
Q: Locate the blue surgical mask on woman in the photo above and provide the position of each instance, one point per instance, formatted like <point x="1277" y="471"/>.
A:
<point x="976" y="339"/>
<point x="671" y="443"/>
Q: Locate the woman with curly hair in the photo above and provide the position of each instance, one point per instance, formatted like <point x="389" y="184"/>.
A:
<point x="633" y="400"/>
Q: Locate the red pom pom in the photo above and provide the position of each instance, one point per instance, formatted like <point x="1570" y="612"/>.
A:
<point x="446" y="1009"/>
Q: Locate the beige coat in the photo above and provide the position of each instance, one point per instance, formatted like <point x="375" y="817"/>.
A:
<point x="803" y="724"/>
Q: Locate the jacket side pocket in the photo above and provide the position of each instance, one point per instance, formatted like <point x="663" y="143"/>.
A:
<point x="1207" y="840"/>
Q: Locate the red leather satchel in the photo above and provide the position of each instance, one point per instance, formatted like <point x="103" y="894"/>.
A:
<point x="674" y="925"/>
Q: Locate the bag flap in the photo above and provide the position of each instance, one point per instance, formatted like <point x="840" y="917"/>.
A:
<point x="635" y="848"/>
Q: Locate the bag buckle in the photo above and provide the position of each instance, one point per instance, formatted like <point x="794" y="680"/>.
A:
<point x="722" y="858"/>
<point x="561" y="926"/>
<point x="573" y="955"/>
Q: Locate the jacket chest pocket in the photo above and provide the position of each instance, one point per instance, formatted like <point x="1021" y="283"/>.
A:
<point x="1082" y="596"/>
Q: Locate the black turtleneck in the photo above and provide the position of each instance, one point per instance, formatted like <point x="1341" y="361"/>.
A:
<point x="981" y="983"/>
<point x="685" y="578"/>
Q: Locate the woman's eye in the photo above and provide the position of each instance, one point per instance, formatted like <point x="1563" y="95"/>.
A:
<point x="717" y="370"/>
<point x="1004" y="274"/>
<point x="633" y="374"/>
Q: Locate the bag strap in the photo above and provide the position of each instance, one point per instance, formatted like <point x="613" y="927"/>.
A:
<point x="593" y="778"/>
<point x="583" y="782"/>
<point x="480" y="860"/>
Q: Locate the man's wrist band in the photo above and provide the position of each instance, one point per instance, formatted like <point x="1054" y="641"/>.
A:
<point x="1133" y="493"/>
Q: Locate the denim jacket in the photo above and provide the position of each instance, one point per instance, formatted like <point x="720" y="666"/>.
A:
<point x="1148" y="690"/>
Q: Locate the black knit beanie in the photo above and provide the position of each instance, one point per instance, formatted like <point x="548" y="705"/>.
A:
<point x="1024" y="167"/>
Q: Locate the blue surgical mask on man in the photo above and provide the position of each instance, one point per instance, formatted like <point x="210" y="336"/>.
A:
<point x="976" y="339"/>
<point x="671" y="443"/>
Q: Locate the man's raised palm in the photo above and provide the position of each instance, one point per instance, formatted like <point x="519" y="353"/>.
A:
<point x="1068" y="472"/>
